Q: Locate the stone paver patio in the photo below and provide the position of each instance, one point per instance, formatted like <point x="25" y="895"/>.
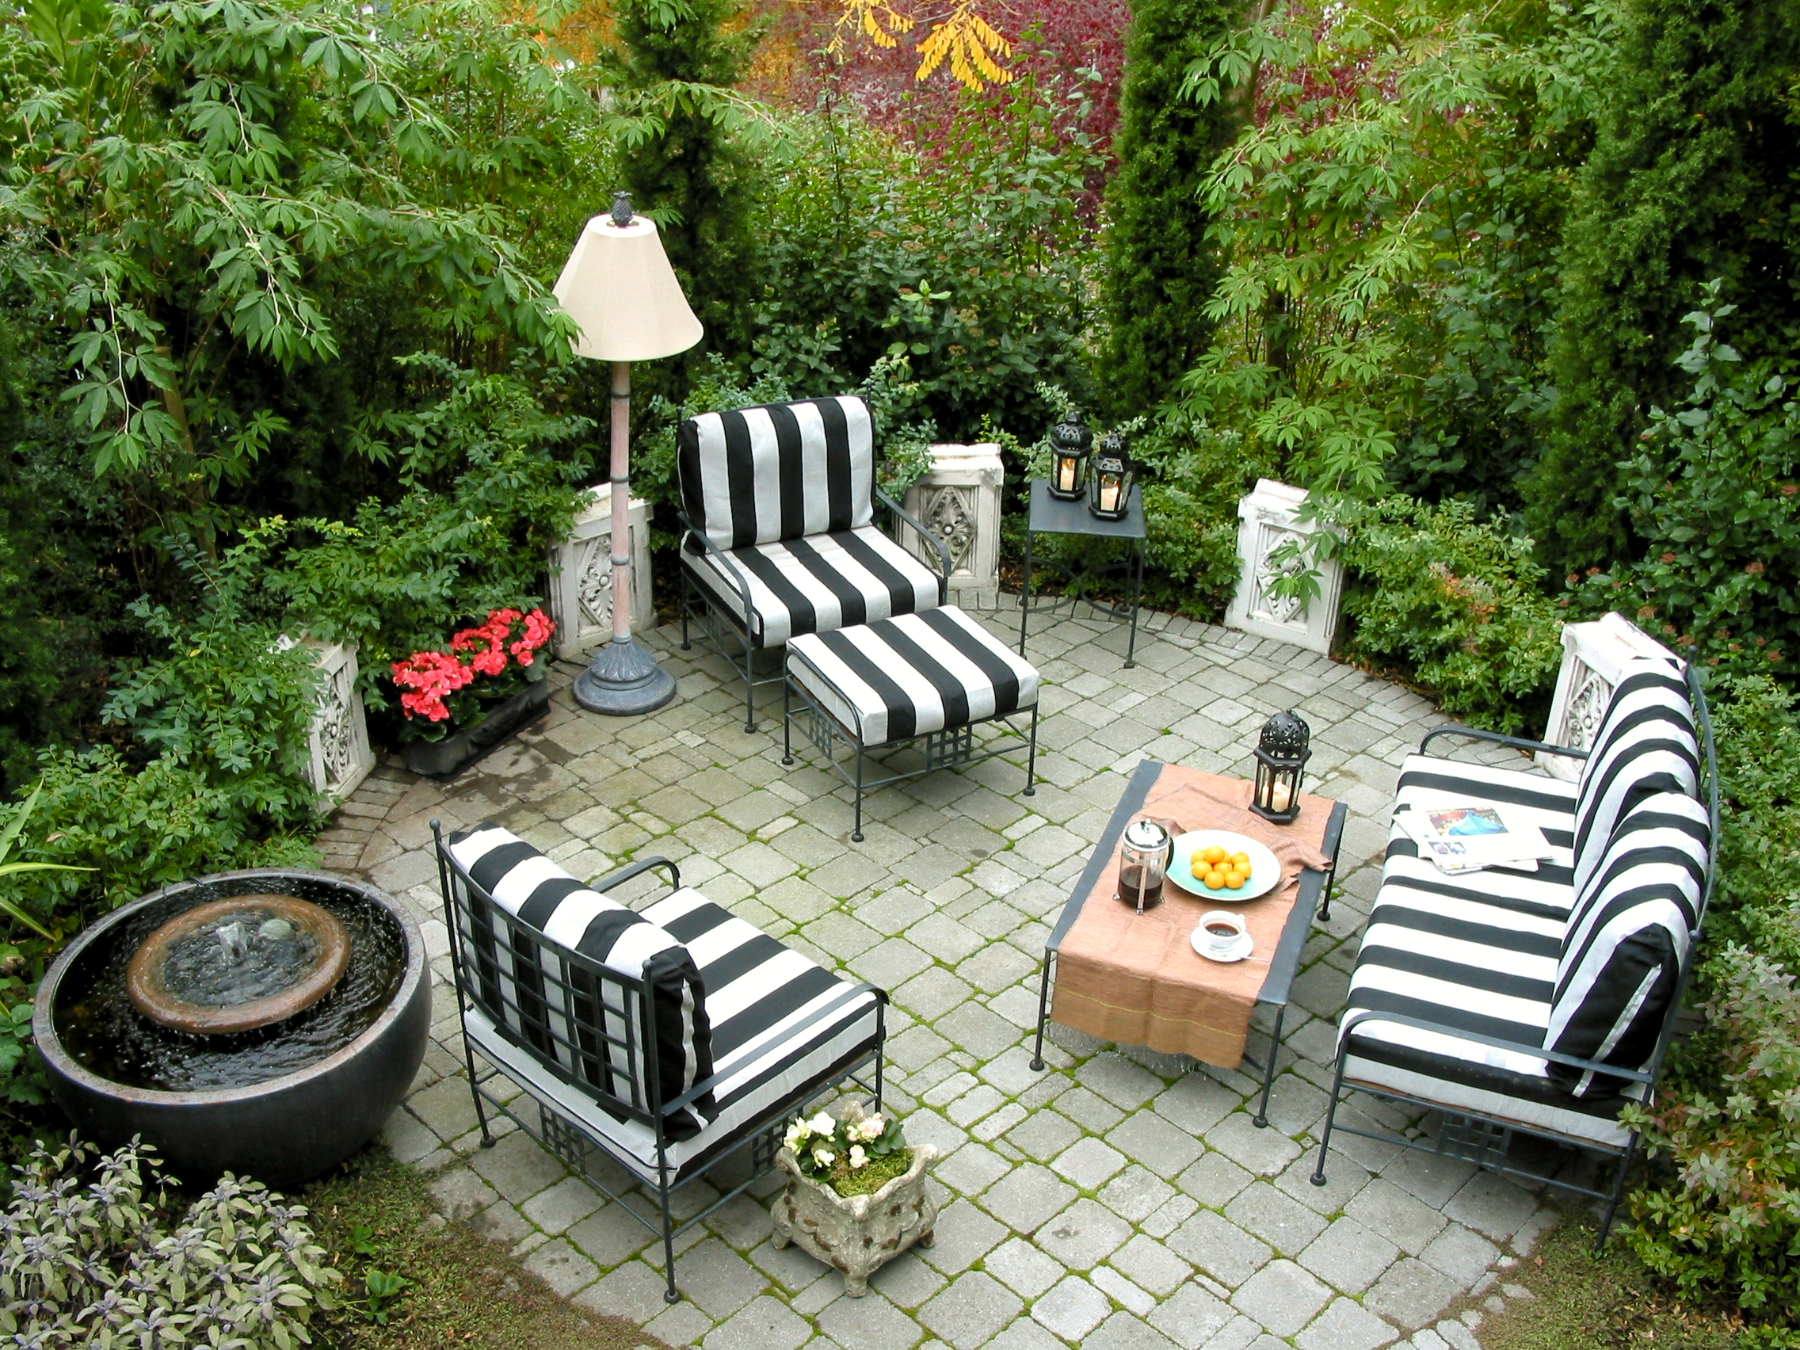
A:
<point x="1118" y="1199"/>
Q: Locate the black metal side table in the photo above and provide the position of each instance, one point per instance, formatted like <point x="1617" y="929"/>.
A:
<point x="1052" y="515"/>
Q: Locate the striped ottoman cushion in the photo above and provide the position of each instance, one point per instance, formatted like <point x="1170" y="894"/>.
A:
<point x="508" y="978"/>
<point x="897" y="678"/>
<point x="1627" y="937"/>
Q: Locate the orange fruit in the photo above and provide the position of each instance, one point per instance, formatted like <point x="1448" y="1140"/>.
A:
<point x="1214" y="880"/>
<point x="1235" y="881"/>
<point x="1212" y="853"/>
<point x="1243" y="858"/>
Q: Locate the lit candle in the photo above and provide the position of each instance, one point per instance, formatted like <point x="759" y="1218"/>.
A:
<point x="1109" y="496"/>
<point x="1065" y="474"/>
<point x="1279" y="796"/>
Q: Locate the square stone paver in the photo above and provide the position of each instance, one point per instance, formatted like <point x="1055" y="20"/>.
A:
<point x="971" y="1310"/>
<point x="1281" y="1296"/>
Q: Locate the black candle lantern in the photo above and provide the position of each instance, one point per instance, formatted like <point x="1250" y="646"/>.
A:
<point x="1110" y="475"/>
<point x="1281" y="756"/>
<point x="1069" y="442"/>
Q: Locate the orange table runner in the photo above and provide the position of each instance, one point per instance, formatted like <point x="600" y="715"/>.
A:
<point x="1135" y="979"/>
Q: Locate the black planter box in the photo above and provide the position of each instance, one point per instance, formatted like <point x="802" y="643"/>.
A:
<point x="453" y="754"/>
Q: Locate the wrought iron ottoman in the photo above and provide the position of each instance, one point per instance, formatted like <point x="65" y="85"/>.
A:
<point x="928" y="679"/>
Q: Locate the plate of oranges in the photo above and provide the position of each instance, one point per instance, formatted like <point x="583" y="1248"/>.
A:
<point x="1223" y="866"/>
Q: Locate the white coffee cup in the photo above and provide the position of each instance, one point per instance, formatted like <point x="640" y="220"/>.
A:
<point x="1222" y="931"/>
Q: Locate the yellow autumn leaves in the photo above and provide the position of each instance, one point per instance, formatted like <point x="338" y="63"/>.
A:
<point x="961" y="37"/>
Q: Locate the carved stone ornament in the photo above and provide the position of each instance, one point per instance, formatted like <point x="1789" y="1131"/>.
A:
<point x="338" y="716"/>
<point x="593" y="585"/>
<point x="859" y="1234"/>
<point x="951" y="517"/>
<point x="1595" y="655"/>
<point x="1587" y="705"/>
<point x="1265" y="604"/>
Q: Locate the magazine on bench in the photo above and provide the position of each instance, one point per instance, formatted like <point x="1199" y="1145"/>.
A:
<point x="1468" y="838"/>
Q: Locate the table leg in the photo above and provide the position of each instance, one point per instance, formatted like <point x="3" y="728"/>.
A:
<point x="1261" y="1118"/>
<point x="1137" y="595"/>
<point x="1025" y="593"/>
<point x="1037" y="1053"/>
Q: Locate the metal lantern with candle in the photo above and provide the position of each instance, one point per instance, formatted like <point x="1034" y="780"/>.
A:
<point x="1069" y="442"/>
<point x="1281" y="755"/>
<point x="1110" y="476"/>
<point x="1144" y="852"/>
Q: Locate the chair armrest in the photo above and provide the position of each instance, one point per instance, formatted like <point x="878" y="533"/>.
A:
<point x="925" y="534"/>
<point x="1536" y="1051"/>
<point x="638" y="868"/>
<point x="1499" y="738"/>
<point x="707" y="1084"/>
<point x="731" y="568"/>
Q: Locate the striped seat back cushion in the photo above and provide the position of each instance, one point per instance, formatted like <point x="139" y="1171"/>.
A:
<point x="1627" y="936"/>
<point x="589" y="1028"/>
<point x="1645" y="744"/>
<point x="779" y="471"/>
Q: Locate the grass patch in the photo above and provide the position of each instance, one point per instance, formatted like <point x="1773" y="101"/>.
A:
<point x="1580" y="1302"/>
<point x="375" y="1214"/>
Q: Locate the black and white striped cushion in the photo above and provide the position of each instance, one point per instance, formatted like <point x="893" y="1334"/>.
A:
<point x="783" y="1027"/>
<point x="779" y="471"/>
<point x="521" y="986"/>
<point x="1475" y="953"/>
<point x="817" y="583"/>
<point x="1645" y="744"/>
<point x="907" y="676"/>
<point x="1627" y="937"/>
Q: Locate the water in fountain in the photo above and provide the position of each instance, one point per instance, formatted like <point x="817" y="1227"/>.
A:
<point x="247" y="956"/>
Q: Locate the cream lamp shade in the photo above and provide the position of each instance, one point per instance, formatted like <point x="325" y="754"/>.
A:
<point x="622" y="293"/>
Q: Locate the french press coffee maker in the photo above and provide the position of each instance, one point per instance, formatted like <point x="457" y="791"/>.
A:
<point x="1144" y="853"/>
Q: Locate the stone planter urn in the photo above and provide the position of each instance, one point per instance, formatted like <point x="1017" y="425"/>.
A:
<point x="861" y="1233"/>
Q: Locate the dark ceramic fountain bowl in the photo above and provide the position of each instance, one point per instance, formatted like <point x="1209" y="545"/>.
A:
<point x="283" y="1129"/>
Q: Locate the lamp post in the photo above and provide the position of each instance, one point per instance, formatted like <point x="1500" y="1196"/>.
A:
<point x="627" y="306"/>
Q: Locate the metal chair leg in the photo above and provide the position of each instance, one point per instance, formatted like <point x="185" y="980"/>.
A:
<point x="787" y="724"/>
<point x="670" y="1294"/>
<point x="1037" y="1052"/>
<point x="857" y="835"/>
<point x="1618" y="1194"/>
<point x="1337" y="1087"/>
<point x="1031" y="756"/>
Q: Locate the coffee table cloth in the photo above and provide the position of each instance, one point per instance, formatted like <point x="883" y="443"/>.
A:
<point x="1136" y="979"/>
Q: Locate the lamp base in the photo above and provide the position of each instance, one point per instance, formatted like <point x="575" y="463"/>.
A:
<point x="623" y="680"/>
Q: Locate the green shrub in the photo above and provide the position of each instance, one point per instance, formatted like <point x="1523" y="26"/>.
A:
<point x="1729" y="1222"/>
<point x="1194" y="476"/>
<point x="94" y="1256"/>
<point x="1454" y="604"/>
<point x="1712" y="494"/>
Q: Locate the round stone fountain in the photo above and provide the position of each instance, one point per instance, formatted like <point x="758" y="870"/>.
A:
<point x="262" y="1022"/>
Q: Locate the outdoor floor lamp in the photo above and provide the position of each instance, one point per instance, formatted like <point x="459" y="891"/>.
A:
<point x="627" y="306"/>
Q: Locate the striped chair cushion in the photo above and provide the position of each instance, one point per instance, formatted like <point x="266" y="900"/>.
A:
<point x="818" y="583"/>
<point x="780" y="471"/>
<point x="521" y="986"/>
<point x="1645" y="744"/>
<point x="782" y="1026"/>
<point x="1628" y="934"/>
<point x="904" y="677"/>
<point x="1475" y="953"/>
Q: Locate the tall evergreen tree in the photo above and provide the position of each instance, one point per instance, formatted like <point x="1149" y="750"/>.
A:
<point x="1162" y="268"/>
<point x="680" y="61"/>
<point x="1695" y="174"/>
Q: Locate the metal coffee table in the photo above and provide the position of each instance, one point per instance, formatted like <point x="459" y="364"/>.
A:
<point x="1313" y="900"/>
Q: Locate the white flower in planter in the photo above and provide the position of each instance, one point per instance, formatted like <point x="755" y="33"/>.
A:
<point x="858" y="1159"/>
<point x="797" y="1134"/>
<point x="823" y="1123"/>
<point x="824" y="1157"/>
<point x="870" y="1130"/>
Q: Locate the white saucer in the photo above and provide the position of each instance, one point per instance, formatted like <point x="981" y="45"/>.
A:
<point x="1237" y="952"/>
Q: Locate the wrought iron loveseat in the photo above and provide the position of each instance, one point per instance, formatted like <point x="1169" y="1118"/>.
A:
<point x="1540" y="1003"/>
<point x="671" y="1039"/>
<point x="779" y="535"/>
